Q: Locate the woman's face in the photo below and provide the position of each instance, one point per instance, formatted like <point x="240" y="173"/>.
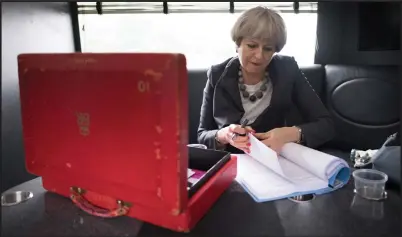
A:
<point x="255" y="55"/>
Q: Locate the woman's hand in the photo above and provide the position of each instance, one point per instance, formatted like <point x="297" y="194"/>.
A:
<point x="227" y="135"/>
<point x="276" y="138"/>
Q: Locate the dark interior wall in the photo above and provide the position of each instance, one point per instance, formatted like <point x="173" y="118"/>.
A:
<point x="27" y="27"/>
<point x="343" y="27"/>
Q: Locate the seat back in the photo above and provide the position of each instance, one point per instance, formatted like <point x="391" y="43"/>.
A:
<point x="197" y="80"/>
<point x="364" y="104"/>
<point x="362" y="100"/>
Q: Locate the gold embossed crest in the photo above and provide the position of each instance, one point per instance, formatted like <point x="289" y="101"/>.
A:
<point x="83" y="123"/>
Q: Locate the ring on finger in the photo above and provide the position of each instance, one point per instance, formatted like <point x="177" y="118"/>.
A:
<point x="233" y="137"/>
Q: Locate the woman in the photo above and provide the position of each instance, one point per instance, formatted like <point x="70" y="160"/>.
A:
<point x="259" y="86"/>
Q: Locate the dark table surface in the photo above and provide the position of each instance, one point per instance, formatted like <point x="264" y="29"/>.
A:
<point x="340" y="213"/>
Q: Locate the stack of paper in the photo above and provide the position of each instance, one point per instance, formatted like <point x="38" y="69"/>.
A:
<point x="297" y="170"/>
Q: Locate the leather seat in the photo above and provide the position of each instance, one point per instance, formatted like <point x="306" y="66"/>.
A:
<point x="315" y="75"/>
<point x="363" y="101"/>
<point x="196" y="84"/>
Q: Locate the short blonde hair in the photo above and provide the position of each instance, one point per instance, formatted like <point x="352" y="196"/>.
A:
<point x="260" y="23"/>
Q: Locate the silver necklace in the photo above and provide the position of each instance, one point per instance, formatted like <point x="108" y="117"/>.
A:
<point x="258" y="94"/>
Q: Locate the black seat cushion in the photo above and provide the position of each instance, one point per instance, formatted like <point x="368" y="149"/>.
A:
<point x="196" y="83"/>
<point x="364" y="103"/>
<point x="315" y="75"/>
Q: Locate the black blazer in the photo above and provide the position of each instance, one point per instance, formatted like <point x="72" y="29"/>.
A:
<point x="222" y="106"/>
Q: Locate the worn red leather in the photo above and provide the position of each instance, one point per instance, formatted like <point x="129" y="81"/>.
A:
<point x="110" y="132"/>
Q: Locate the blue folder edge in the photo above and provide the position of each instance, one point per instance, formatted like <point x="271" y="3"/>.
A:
<point x="338" y="180"/>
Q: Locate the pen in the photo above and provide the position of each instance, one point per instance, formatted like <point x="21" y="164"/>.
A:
<point x="243" y="125"/>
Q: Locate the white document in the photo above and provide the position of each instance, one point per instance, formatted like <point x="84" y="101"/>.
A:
<point x="265" y="155"/>
<point x="259" y="180"/>
<point x="300" y="177"/>
<point x="318" y="163"/>
<point x="264" y="183"/>
<point x="297" y="169"/>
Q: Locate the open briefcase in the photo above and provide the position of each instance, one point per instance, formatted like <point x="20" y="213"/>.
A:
<point x="110" y="132"/>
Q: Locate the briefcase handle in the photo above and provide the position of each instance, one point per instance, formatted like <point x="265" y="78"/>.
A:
<point x="77" y="196"/>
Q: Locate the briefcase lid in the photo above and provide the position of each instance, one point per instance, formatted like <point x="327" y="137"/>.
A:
<point x="116" y="121"/>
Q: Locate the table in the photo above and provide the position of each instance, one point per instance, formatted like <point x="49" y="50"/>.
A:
<point x="340" y="213"/>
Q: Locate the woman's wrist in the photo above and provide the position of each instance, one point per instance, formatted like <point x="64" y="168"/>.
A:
<point x="296" y="131"/>
<point x="220" y="137"/>
<point x="294" y="134"/>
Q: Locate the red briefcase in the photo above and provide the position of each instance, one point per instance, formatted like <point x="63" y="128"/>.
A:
<point x="110" y="132"/>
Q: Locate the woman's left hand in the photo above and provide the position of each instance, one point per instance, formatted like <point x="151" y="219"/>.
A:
<point x="276" y="138"/>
